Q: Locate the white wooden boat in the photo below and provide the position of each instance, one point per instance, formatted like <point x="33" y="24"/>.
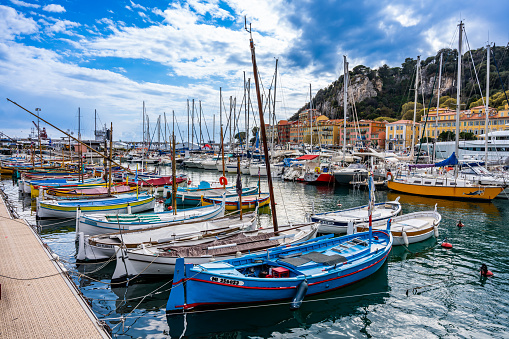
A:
<point x="409" y="228"/>
<point x="337" y="221"/>
<point x="92" y="224"/>
<point x="151" y="261"/>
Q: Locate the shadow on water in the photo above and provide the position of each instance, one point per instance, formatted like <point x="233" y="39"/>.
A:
<point x="263" y="320"/>
<point x="420" y="249"/>
<point x="415" y="201"/>
<point x="154" y="296"/>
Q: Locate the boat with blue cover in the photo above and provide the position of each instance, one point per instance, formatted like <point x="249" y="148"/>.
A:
<point x="67" y="208"/>
<point x="283" y="273"/>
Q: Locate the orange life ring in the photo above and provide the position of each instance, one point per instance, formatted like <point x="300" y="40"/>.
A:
<point x="223" y="181"/>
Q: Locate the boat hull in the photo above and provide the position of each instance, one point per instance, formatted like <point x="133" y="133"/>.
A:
<point x="205" y="289"/>
<point x="461" y="193"/>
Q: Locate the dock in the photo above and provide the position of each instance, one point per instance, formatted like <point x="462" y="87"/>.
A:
<point x="37" y="299"/>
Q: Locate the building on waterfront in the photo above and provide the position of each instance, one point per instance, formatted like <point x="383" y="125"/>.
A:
<point x="471" y="121"/>
<point x="399" y="135"/>
<point x="283" y="132"/>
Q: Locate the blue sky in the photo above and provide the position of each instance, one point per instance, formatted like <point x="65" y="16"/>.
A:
<point x="110" y="56"/>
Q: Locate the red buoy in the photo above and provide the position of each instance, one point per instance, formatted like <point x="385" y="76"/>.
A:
<point x="460" y="224"/>
<point x="170" y="208"/>
<point x="485" y="272"/>
<point x="446" y="245"/>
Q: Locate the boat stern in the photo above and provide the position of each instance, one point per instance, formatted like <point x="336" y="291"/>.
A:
<point x="177" y="301"/>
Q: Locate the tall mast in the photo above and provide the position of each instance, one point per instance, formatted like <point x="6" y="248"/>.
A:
<point x="245" y="113"/>
<point x="80" y="175"/>
<point x="458" y="93"/>
<point x="415" y="105"/>
<point x="230" y="121"/>
<point x="345" y="103"/>
<point x="438" y="103"/>
<point x="213" y="129"/>
<point x="311" y="116"/>
<point x="221" y="111"/>
<point x="274" y="107"/>
<point x="165" y="128"/>
<point x="200" y="136"/>
<point x="143" y="116"/>
<point x="487" y="103"/>
<point x="192" y="126"/>
<point x="264" y="136"/>
<point x="248" y="105"/>
<point x="188" y="125"/>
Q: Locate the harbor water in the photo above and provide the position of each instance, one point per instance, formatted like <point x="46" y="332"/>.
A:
<point x="422" y="291"/>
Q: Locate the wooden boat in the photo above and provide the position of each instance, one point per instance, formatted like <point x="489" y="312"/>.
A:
<point x="337" y="221"/>
<point x="67" y="208"/>
<point x="92" y="224"/>
<point x="152" y="261"/>
<point x="248" y="201"/>
<point x="193" y="198"/>
<point x="95" y="191"/>
<point x="102" y="246"/>
<point x="283" y="273"/>
<point x="443" y="187"/>
<point x="63" y="183"/>
<point x="409" y="228"/>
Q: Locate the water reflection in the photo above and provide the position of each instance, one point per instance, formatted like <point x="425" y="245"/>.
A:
<point x="154" y="296"/>
<point x="263" y="321"/>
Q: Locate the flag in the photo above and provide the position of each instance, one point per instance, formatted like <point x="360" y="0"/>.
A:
<point x="136" y="175"/>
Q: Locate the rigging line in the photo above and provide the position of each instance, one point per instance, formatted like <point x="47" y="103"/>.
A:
<point x="427" y="115"/>
<point x="475" y="71"/>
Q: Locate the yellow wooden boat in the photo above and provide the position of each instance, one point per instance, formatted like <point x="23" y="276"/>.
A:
<point x="448" y="188"/>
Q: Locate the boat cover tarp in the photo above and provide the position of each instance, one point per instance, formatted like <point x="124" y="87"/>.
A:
<point x="451" y="161"/>
<point x="308" y="157"/>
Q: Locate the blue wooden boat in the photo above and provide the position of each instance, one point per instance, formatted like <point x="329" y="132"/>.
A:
<point x="193" y="198"/>
<point x="282" y="273"/>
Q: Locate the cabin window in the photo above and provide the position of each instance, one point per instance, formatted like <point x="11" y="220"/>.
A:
<point x="452" y="183"/>
<point x="427" y="182"/>
<point x="417" y="181"/>
<point x="439" y="183"/>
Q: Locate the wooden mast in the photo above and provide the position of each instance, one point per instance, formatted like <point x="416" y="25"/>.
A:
<point x="110" y="158"/>
<point x="262" y="127"/>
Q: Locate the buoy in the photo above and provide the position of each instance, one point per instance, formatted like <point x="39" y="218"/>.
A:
<point x="460" y="224"/>
<point x="485" y="272"/>
<point x="170" y="208"/>
<point x="435" y="229"/>
<point x="446" y="244"/>
<point x="223" y="181"/>
<point x="405" y="238"/>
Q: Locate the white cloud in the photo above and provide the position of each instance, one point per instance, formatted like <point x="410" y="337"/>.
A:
<point x="54" y="8"/>
<point x="138" y="6"/>
<point x="13" y="24"/>
<point x="404" y="15"/>
<point x="24" y="4"/>
<point x="62" y="26"/>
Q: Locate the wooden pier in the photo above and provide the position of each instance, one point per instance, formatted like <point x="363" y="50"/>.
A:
<point x="37" y="299"/>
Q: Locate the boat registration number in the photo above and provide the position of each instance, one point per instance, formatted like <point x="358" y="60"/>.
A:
<point x="227" y="281"/>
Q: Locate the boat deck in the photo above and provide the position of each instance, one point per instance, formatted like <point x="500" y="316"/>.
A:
<point x="48" y="307"/>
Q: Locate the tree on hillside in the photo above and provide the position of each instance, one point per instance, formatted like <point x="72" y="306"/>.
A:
<point x="408" y="111"/>
<point x="448" y="103"/>
<point x="241" y="137"/>
<point x="385" y="119"/>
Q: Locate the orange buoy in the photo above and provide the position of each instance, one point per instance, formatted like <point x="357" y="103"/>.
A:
<point x="446" y="245"/>
<point x="460" y="224"/>
<point x="485" y="272"/>
<point x="223" y="181"/>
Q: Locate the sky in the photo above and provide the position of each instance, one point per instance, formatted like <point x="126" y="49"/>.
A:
<point x="110" y="57"/>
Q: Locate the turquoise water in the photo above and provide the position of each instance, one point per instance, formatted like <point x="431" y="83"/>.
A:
<point x="422" y="291"/>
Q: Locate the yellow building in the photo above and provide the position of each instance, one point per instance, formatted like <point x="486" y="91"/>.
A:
<point x="399" y="135"/>
<point x="472" y="120"/>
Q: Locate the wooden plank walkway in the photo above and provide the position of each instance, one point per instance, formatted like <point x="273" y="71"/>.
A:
<point x="47" y="307"/>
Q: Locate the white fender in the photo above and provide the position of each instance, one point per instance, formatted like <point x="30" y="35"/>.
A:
<point x="123" y="269"/>
<point x="77" y="227"/>
<point x="350" y="229"/>
<point x="405" y="237"/>
<point x="81" y="247"/>
<point x="129" y="209"/>
<point x="435" y="228"/>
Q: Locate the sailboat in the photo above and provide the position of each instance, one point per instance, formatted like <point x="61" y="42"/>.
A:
<point x="434" y="184"/>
